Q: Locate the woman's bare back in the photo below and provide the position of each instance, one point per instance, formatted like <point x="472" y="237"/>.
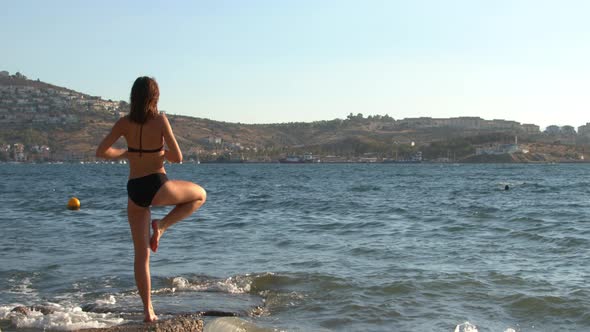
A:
<point x="152" y="138"/>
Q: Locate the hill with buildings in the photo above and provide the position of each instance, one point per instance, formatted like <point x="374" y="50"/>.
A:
<point x="44" y="122"/>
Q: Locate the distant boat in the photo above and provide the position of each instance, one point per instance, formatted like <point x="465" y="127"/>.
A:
<point x="307" y="158"/>
<point x="416" y="158"/>
<point x="291" y="160"/>
<point x="401" y="161"/>
<point x="225" y="159"/>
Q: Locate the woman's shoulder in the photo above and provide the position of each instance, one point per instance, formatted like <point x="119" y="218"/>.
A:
<point x="161" y="118"/>
<point x="123" y="121"/>
<point x="121" y="126"/>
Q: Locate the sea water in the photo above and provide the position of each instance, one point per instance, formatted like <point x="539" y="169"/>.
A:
<point x="312" y="247"/>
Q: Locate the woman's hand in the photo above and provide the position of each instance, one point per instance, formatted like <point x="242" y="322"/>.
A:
<point x="113" y="153"/>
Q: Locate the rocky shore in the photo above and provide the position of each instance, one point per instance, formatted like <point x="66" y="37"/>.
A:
<point x="187" y="323"/>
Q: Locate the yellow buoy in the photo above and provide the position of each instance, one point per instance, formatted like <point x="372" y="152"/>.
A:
<point x="74" y="204"/>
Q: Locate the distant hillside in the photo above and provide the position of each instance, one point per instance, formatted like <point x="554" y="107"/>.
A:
<point x="22" y="81"/>
<point x="71" y="124"/>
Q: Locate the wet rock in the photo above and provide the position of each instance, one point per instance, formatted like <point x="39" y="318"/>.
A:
<point x="217" y="313"/>
<point x="90" y="307"/>
<point x="234" y="324"/>
<point x="27" y="310"/>
<point x="188" y="323"/>
<point x="258" y="311"/>
<point x="21" y="310"/>
<point x="43" y="310"/>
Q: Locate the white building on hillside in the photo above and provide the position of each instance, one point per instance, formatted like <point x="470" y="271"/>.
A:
<point x="584" y="130"/>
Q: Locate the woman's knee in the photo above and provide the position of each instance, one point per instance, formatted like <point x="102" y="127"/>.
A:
<point x="142" y="255"/>
<point x="200" y="198"/>
<point x="202" y="194"/>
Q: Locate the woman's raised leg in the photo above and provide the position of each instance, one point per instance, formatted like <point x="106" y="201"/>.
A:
<point x="139" y="221"/>
<point x="187" y="196"/>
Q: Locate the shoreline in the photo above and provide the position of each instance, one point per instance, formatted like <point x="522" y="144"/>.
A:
<point x="185" y="323"/>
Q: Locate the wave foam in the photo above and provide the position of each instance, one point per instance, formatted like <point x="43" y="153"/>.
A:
<point x="110" y="300"/>
<point x="57" y="317"/>
<point x="466" y="327"/>
<point x="23" y="287"/>
<point x="232" y="285"/>
<point x="235" y="285"/>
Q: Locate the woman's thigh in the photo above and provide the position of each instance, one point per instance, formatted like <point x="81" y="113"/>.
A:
<point x="175" y="192"/>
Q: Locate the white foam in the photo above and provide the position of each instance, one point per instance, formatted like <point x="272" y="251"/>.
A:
<point x="62" y="318"/>
<point x="23" y="287"/>
<point x="183" y="284"/>
<point x="235" y="285"/>
<point x="5" y="311"/>
<point x="466" y="327"/>
<point x="232" y="285"/>
<point x="107" y="301"/>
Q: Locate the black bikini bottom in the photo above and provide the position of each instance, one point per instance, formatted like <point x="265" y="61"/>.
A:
<point x="142" y="190"/>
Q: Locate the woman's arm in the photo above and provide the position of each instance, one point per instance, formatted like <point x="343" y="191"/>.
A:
<point x="173" y="153"/>
<point x="105" y="150"/>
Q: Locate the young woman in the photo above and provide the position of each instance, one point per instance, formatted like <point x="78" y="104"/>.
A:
<point x="146" y="131"/>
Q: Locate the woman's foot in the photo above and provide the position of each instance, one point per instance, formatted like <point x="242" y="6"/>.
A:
<point x="150" y="316"/>
<point x="156" y="233"/>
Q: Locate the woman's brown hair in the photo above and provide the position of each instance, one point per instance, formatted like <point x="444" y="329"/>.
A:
<point x="144" y="99"/>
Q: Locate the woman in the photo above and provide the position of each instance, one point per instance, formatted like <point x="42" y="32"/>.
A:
<point x="146" y="131"/>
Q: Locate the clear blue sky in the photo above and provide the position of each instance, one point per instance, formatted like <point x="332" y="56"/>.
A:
<point x="277" y="61"/>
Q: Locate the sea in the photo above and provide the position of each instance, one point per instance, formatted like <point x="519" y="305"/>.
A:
<point x="306" y="247"/>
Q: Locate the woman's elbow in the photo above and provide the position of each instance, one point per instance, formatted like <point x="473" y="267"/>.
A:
<point x="177" y="159"/>
<point x="173" y="157"/>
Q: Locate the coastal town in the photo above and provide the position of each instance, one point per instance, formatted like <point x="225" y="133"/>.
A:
<point x="30" y="109"/>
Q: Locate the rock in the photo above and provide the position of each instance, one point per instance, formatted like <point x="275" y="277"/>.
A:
<point x="234" y="324"/>
<point x="21" y="310"/>
<point x="43" y="310"/>
<point x="27" y="310"/>
<point x="217" y="313"/>
<point x="187" y="323"/>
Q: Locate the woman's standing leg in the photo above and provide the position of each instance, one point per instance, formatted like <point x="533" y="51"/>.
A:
<point x="187" y="196"/>
<point x="139" y="221"/>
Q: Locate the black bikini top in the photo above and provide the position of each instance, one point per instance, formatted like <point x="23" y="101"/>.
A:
<point x="140" y="150"/>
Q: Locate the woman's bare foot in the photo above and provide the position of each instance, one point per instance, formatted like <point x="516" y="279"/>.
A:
<point x="150" y="316"/>
<point x="156" y="233"/>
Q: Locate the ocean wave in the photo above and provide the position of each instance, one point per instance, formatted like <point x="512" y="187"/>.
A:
<point x="255" y="284"/>
<point x="22" y="286"/>
<point x="537" y="307"/>
<point x="277" y="291"/>
<point x="240" y="284"/>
